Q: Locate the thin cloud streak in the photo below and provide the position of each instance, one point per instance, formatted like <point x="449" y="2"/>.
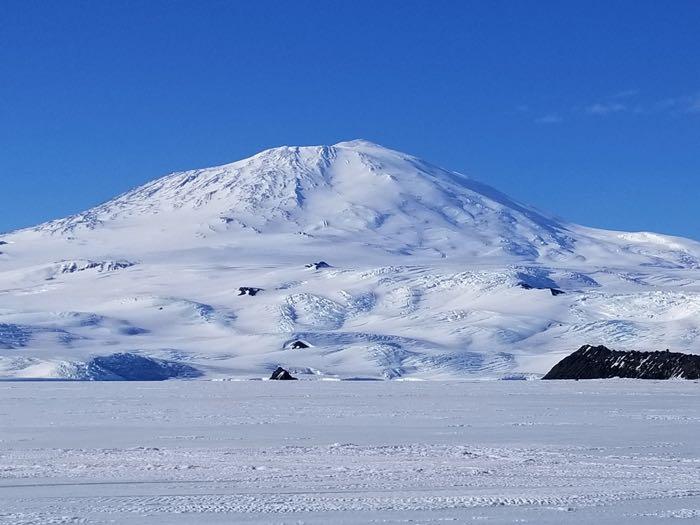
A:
<point x="605" y="109"/>
<point x="623" y="102"/>
<point x="551" y="118"/>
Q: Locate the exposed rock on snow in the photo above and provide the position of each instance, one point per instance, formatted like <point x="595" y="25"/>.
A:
<point x="553" y="291"/>
<point x="599" y="362"/>
<point x="249" y="290"/>
<point x="318" y="265"/>
<point x="98" y="266"/>
<point x="295" y="345"/>
<point x="280" y="374"/>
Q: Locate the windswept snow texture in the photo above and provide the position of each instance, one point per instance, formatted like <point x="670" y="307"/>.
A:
<point x="613" y="452"/>
<point x="386" y="265"/>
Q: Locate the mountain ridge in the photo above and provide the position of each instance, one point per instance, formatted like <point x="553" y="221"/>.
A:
<point x="351" y="188"/>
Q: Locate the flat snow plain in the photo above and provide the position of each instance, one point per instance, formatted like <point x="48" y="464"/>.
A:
<point x="604" y="452"/>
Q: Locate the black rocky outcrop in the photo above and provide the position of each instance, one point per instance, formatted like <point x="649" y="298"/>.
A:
<point x="298" y="344"/>
<point x="553" y="291"/>
<point x="599" y="362"/>
<point x="280" y="374"/>
<point x="318" y="265"/>
<point x="100" y="266"/>
<point x="249" y="290"/>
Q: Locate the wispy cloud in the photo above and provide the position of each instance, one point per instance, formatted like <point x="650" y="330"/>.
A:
<point x="694" y="104"/>
<point x="551" y="118"/>
<point x="684" y="104"/>
<point x="628" y="101"/>
<point x="627" y="93"/>
<point x="687" y="104"/>
<point x="605" y="108"/>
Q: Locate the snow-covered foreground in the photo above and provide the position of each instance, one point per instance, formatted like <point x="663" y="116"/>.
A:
<point x="604" y="452"/>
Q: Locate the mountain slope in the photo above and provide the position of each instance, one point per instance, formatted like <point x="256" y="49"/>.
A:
<point x="433" y="275"/>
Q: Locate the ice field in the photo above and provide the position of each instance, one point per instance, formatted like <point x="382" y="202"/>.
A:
<point x="541" y="452"/>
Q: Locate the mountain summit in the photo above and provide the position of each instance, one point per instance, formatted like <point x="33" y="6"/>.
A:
<point x="353" y="191"/>
<point x="382" y="264"/>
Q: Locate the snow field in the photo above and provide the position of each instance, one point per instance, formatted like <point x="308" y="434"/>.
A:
<point x="607" y="452"/>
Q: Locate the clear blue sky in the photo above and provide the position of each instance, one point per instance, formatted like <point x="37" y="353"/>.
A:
<point x="586" y="109"/>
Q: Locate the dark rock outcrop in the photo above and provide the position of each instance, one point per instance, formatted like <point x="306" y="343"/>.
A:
<point x="599" y="362"/>
<point x="553" y="291"/>
<point x="318" y="265"/>
<point x="99" y="266"/>
<point x="280" y="374"/>
<point x="298" y="344"/>
<point x="249" y="290"/>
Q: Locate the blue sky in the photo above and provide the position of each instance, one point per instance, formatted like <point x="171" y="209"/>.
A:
<point x="587" y="109"/>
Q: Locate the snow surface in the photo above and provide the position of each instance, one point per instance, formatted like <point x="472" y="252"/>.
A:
<point x="543" y="452"/>
<point x="426" y="276"/>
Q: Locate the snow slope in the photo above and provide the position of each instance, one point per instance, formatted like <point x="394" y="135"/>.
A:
<point x="433" y="275"/>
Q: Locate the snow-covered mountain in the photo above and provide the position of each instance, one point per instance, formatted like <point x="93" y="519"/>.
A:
<point x="432" y="274"/>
